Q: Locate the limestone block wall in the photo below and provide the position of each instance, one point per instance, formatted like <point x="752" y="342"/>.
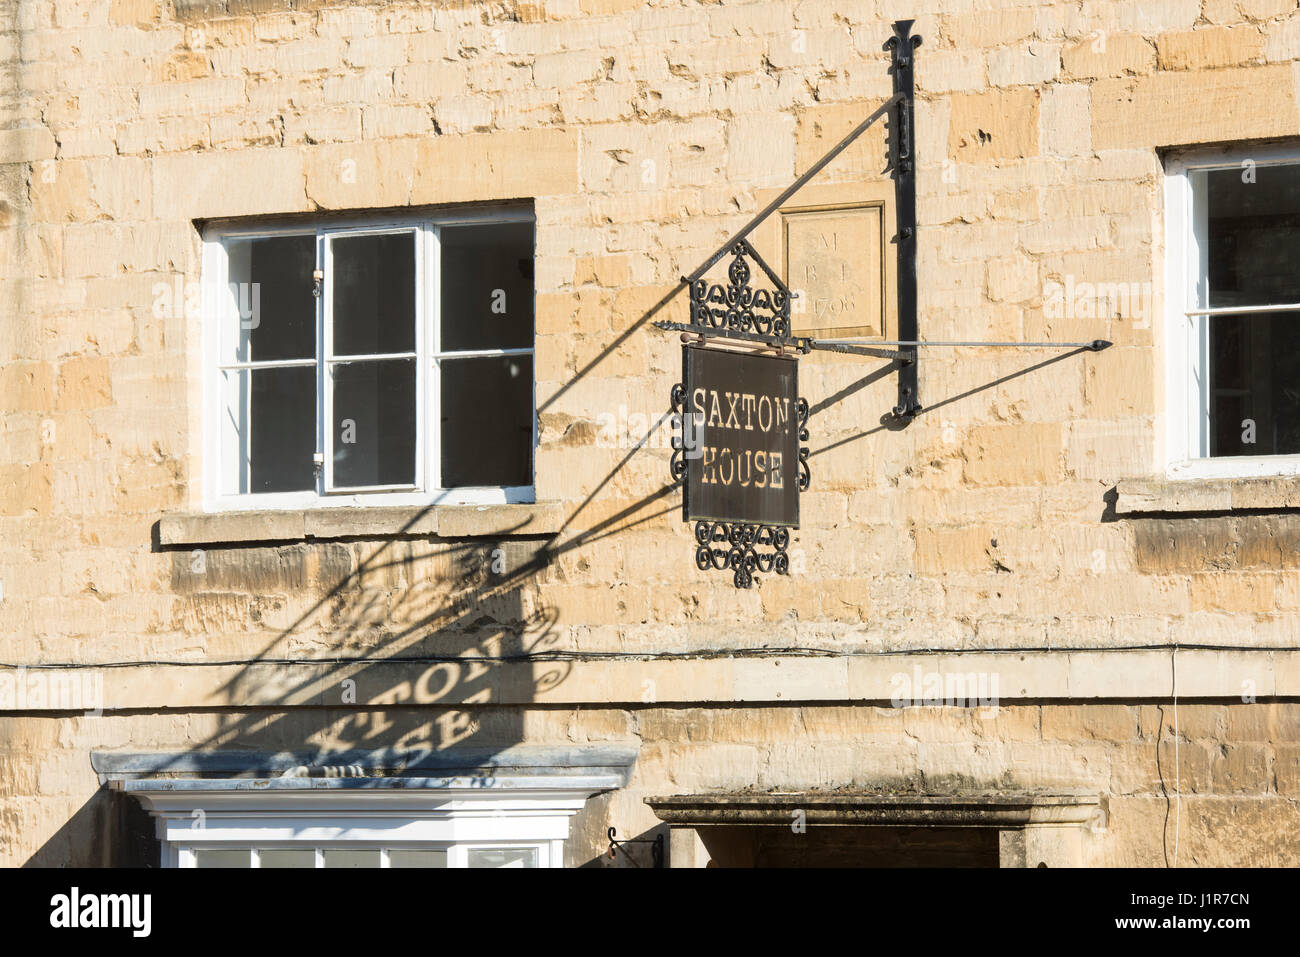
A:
<point x="1232" y="790"/>
<point x="643" y="134"/>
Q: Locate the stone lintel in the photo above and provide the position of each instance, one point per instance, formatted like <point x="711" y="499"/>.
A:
<point x="967" y="809"/>
<point x="1160" y="496"/>
<point x="442" y="521"/>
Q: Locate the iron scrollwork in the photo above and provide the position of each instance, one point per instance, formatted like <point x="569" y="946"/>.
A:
<point x="736" y="307"/>
<point x="805" y="470"/>
<point x="677" y="464"/>
<point x="743" y="548"/>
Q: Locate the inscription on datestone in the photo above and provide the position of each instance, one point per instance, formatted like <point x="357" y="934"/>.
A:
<point x="833" y="260"/>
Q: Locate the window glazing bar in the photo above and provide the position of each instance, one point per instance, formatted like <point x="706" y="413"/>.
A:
<point x="1242" y="310"/>
<point x="484" y="353"/>
<point x="377" y="357"/>
<point x="268" y="364"/>
<point x="350" y="489"/>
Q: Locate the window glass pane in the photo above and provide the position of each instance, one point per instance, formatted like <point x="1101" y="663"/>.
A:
<point x="487" y="286"/>
<point x="432" y="857"/>
<point x="287" y="857"/>
<point x="487" y="421"/>
<point x="1255" y="384"/>
<point x="502" y="857"/>
<point x="213" y="857"/>
<point x="270" y="297"/>
<point x="269" y="430"/>
<point x="374" y="423"/>
<point x="1254" y="235"/>
<point x="372" y="280"/>
<point x="359" y="857"/>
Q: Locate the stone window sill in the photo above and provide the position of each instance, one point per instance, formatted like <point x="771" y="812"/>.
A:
<point x="322" y="524"/>
<point x="1147" y="496"/>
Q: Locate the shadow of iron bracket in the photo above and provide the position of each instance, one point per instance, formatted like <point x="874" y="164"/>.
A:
<point x="726" y="313"/>
<point x="656" y="848"/>
<point x="902" y="165"/>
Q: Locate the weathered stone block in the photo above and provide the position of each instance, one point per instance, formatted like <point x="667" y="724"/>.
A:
<point x="993" y="125"/>
<point x="492" y="166"/>
<point x="1026" y="454"/>
<point x="1176" y="109"/>
<point x="1109" y="55"/>
<point x="228" y="183"/>
<point x="1209" y="48"/>
<point x="1031" y="64"/>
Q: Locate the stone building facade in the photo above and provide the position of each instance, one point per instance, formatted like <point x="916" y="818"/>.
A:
<point x="1119" y="601"/>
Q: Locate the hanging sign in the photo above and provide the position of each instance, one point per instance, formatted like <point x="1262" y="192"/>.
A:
<point x="738" y="457"/>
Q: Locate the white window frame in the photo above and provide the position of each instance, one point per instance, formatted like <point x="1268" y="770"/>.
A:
<point x="427" y="489"/>
<point x="1187" y="322"/>
<point x="182" y="855"/>
<point x="460" y="818"/>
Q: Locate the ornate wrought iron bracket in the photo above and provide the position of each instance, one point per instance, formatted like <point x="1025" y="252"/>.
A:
<point x="854" y="349"/>
<point x="739" y="312"/>
<point x="736" y="310"/>
<point x="902" y="46"/>
<point x="763" y="318"/>
<point x="681" y="444"/>
<point x="656" y="848"/>
<point x="805" y="470"/>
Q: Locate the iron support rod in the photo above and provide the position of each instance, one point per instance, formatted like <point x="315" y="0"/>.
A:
<point x="852" y="348"/>
<point x="1096" y="345"/>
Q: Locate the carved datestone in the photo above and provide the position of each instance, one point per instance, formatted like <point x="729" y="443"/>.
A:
<point x="833" y="261"/>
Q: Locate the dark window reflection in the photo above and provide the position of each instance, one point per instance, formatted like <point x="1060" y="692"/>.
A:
<point x="374" y="294"/>
<point x="271" y="285"/>
<point x="486" y="291"/>
<point x="487" y="287"/>
<point x="1255" y="384"/>
<point x="487" y="421"/>
<point x="282" y="428"/>
<point x="1253" y="246"/>
<point x="374" y="423"/>
<point x="1254" y="235"/>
